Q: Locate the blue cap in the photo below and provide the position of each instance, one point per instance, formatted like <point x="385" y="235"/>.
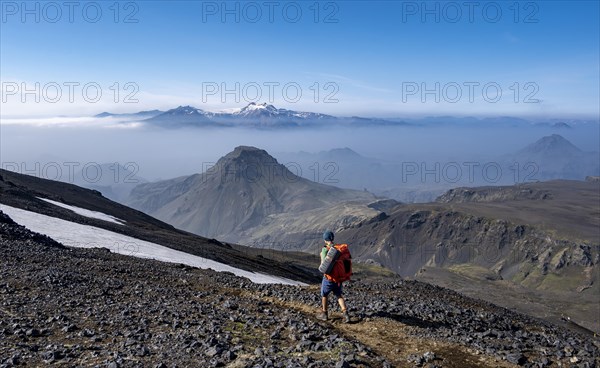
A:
<point x="328" y="235"/>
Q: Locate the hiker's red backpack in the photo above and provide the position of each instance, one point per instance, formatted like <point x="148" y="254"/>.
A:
<point x="337" y="265"/>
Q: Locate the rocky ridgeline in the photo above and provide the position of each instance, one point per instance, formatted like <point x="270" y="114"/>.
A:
<point x="493" y="194"/>
<point x="90" y="307"/>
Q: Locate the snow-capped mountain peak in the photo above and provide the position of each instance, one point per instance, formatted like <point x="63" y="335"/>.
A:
<point x="185" y="110"/>
<point x="255" y="109"/>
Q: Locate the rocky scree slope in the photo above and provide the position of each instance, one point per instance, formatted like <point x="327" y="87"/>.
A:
<point x="94" y="308"/>
<point x="24" y="192"/>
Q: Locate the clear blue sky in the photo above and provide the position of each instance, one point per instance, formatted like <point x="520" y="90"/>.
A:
<point x="371" y="51"/>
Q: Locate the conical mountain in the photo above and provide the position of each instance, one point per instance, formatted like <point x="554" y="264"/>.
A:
<point x="554" y="145"/>
<point x="243" y="189"/>
<point x="554" y="157"/>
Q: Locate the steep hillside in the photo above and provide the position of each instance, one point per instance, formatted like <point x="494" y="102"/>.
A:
<point x="541" y="237"/>
<point x="67" y="202"/>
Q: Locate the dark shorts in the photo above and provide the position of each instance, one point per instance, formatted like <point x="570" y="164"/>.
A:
<point x="328" y="286"/>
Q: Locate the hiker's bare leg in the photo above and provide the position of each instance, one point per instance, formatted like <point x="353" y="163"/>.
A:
<point x="342" y="303"/>
<point x="324" y="303"/>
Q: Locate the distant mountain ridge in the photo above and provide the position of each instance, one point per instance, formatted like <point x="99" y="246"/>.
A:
<point x="253" y="114"/>
<point x="267" y="116"/>
<point x="547" y="158"/>
<point x="140" y="114"/>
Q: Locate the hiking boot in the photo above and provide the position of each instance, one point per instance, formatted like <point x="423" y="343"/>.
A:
<point x="322" y="316"/>
<point x="346" y="317"/>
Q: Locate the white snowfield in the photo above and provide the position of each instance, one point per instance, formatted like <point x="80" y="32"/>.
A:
<point x="84" y="236"/>
<point x="84" y="212"/>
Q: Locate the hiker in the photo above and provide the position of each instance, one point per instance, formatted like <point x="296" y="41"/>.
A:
<point x="328" y="286"/>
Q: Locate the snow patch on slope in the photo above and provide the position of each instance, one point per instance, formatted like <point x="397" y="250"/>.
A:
<point x="86" y="213"/>
<point x="84" y="236"/>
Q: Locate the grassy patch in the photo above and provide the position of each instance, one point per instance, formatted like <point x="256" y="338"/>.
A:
<point x="364" y="271"/>
<point x="566" y="281"/>
<point x="251" y="337"/>
<point x="474" y="271"/>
